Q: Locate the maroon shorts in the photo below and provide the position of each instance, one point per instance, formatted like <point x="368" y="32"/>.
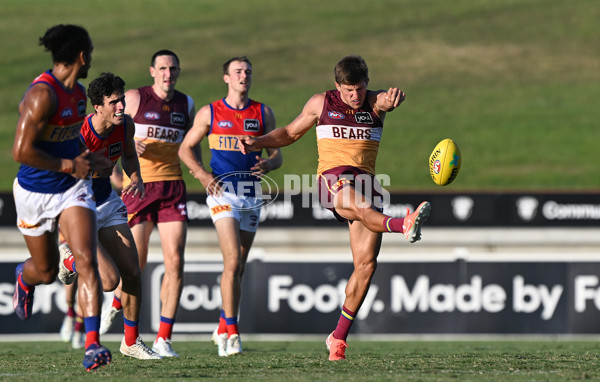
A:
<point x="332" y="181"/>
<point x="165" y="201"/>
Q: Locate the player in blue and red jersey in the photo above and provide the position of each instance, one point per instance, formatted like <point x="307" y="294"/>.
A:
<point x="53" y="187"/>
<point x="234" y="206"/>
<point x="109" y="130"/>
<point x="162" y="117"/>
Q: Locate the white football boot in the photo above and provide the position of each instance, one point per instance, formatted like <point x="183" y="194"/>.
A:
<point x="107" y="319"/>
<point x="234" y="344"/>
<point x="163" y="347"/>
<point x="221" y="341"/>
<point x="67" y="328"/>
<point x="64" y="275"/>
<point x="138" y="350"/>
<point x="78" y="341"/>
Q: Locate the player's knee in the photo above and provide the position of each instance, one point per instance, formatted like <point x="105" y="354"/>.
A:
<point x="48" y="276"/>
<point x="110" y="282"/>
<point x="367" y="267"/>
<point x="132" y="277"/>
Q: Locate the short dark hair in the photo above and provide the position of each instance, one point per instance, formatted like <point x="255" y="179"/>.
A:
<point x="105" y="85"/>
<point x="65" y="42"/>
<point x="238" y="58"/>
<point x="163" y="52"/>
<point x="351" y="70"/>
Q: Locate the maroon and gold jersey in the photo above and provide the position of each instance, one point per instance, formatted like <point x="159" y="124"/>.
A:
<point x="347" y="137"/>
<point x="162" y="126"/>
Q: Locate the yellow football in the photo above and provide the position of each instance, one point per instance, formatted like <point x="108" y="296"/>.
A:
<point x="444" y="162"/>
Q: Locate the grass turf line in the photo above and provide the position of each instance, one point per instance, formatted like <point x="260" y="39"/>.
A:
<point x="548" y="360"/>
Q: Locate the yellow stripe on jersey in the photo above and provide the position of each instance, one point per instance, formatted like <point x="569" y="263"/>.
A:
<point x="224" y="142"/>
<point x="54" y="133"/>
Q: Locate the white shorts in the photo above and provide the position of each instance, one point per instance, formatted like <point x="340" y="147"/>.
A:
<point x="111" y="212"/>
<point x="37" y="213"/>
<point x="245" y="209"/>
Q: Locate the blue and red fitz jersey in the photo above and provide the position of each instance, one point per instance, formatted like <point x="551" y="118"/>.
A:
<point x="59" y="138"/>
<point x="114" y="144"/>
<point x="227" y="162"/>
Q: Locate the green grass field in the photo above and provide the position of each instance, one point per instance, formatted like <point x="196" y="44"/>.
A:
<point x="514" y="82"/>
<point x="537" y="360"/>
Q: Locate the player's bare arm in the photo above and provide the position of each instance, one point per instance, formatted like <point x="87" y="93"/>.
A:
<point x="132" y="104"/>
<point x="35" y="111"/>
<point x="191" y="155"/>
<point x="274" y="159"/>
<point x="131" y="164"/>
<point x="289" y="134"/>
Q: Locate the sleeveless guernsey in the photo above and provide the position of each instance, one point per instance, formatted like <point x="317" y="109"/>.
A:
<point x="60" y="137"/>
<point x="227" y="161"/>
<point x="162" y="125"/>
<point x="347" y="137"/>
<point x="114" y="144"/>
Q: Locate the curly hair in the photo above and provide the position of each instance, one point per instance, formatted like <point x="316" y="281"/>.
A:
<point x="105" y="85"/>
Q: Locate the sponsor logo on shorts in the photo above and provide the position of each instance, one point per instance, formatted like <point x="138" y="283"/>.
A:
<point x="152" y="115"/>
<point x="339" y="184"/>
<point x="177" y="119"/>
<point x="82" y="197"/>
<point x="253" y="220"/>
<point x="182" y="209"/>
<point x="221" y="208"/>
<point x="363" y="117"/>
<point x="22" y="224"/>
<point x="123" y="212"/>
<point x="252" y="125"/>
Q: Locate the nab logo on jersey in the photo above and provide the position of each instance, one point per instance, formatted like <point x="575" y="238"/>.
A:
<point x="225" y="124"/>
<point x="177" y="119"/>
<point x="335" y="115"/>
<point x="251" y="125"/>
<point x="363" y="117"/>
<point x="115" y="149"/>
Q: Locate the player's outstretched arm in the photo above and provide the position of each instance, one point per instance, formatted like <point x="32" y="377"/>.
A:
<point x="289" y="134"/>
<point x="274" y="159"/>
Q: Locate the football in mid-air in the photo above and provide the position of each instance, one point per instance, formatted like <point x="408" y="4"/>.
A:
<point x="444" y="162"/>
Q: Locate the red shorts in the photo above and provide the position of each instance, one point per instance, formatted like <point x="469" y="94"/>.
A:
<point x="165" y="201"/>
<point x="334" y="180"/>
